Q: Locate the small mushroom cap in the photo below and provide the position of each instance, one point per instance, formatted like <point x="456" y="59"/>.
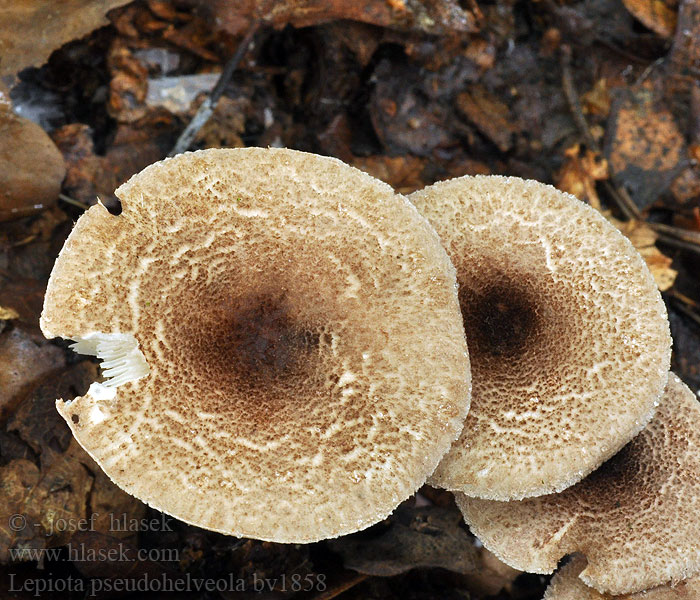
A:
<point x="566" y="585"/>
<point x="568" y="336"/>
<point x="635" y="519"/>
<point x="305" y="360"/>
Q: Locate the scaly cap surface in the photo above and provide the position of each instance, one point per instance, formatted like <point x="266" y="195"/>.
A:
<point x="635" y="519"/>
<point x="568" y="336"/>
<point x="303" y="364"/>
<point x="566" y="585"/>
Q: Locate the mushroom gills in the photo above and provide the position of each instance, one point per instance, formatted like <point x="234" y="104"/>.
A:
<point x="121" y="360"/>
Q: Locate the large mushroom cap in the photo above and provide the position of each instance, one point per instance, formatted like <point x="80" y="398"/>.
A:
<point x="285" y="334"/>
<point x="566" y="585"/>
<point x="635" y="519"/>
<point x="568" y="337"/>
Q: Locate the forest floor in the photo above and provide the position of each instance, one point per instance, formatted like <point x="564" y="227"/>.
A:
<point x="598" y="97"/>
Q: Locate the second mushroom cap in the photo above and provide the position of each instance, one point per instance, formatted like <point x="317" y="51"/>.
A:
<point x="568" y="336"/>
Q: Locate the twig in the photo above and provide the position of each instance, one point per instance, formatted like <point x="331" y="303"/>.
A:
<point x="207" y="107"/>
<point x="680" y="244"/>
<point x="69" y="200"/>
<point x="692" y="237"/>
<point x="621" y="51"/>
<point x="648" y="70"/>
<point x="567" y="82"/>
<point x="685" y="305"/>
<point x="620" y="196"/>
<point x="675" y="242"/>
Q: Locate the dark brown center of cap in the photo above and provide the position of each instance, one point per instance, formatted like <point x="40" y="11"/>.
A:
<point x="253" y="341"/>
<point x="263" y="336"/>
<point x="501" y="319"/>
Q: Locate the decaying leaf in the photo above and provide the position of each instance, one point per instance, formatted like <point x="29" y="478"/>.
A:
<point x="134" y="146"/>
<point x="24" y="189"/>
<point x="424" y="537"/>
<point x="686" y="187"/>
<point x="403" y="173"/>
<point x="31" y="29"/>
<point x="43" y="502"/>
<point x="88" y="176"/>
<point x="579" y="173"/>
<point x="45" y="497"/>
<point x="225" y="126"/>
<point x="430" y="16"/>
<point x="22" y="298"/>
<point x="8" y="313"/>
<point x="644" y="238"/>
<point x="129" y="85"/>
<point x="489" y="115"/>
<point x="596" y="101"/>
<point x="645" y="148"/>
<point x="658" y="15"/>
<point x="685" y="52"/>
<point x="25" y="358"/>
<point x="427" y="536"/>
<point x="405" y="118"/>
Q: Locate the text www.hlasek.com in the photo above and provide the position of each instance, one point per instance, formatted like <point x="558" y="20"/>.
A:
<point x="165" y="583"/>
<point x="83" y="553"/>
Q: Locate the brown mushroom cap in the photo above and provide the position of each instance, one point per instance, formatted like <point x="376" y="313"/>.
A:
<point x="300" y="362"/>
<point x="566" y="585"/>
<point x="635" y="519"/>
<point x="568" y="337"/>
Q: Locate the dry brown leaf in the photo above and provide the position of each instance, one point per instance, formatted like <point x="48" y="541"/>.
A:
<point x="43" y="503"/>
<point x="24" y="188"/>
<point x="596" y="101"/>
<point x="489" y="115"/>
<point x="31" y="29"/>
<point x="225" y="126"/>
<point x="429" y="536"/>
<point x="25" y="358"/>
<point x="7" y="313"/>
<point x="403" y="173"/>
<point x="579" y="173"/>
<point x="658" y="15"/>
<point x="88" y="175"/>
<point x="129" y="85"/>
<point x="430" y="16"/>
<point x="493" y="576"/>
<point x="645" y="147"/>
<point x="644" y="238"/>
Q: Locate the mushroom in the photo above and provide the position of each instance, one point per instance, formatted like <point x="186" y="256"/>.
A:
<point x="566" y="585"/>
<point x="568" y="336"/>
<point x="635" y="519"/>
<point x="281" y="340"/>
